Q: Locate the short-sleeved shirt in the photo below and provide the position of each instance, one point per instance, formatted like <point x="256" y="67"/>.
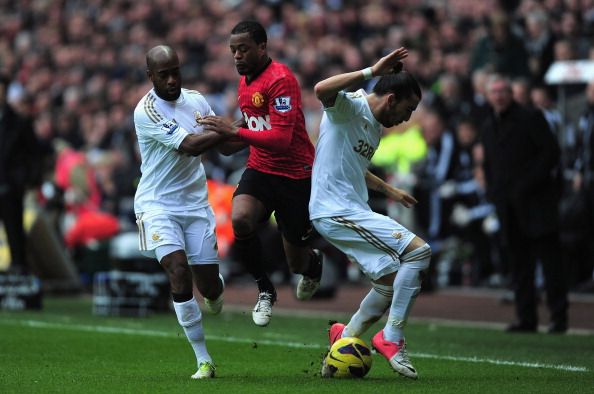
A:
<point x="349" y="136"/>
<point x="273" y="100"/>
<point x="171" y="180"/>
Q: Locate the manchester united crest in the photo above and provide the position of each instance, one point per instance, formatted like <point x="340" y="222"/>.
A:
<point x="257" y="99"/>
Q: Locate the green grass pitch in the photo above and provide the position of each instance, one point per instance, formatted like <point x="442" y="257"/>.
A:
<point x="66" y="349"/>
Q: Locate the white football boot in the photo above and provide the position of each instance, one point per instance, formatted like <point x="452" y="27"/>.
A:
<point x="307" y="286"/>
<point x="263" y="310"/>
<point x="206" y="370"/>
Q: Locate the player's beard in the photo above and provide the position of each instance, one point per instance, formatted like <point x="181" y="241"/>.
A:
<point x="243" y="68"/>
<point x="170" y="94"/>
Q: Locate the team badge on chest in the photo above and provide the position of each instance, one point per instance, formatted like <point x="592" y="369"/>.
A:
<point x="257" y="99"/>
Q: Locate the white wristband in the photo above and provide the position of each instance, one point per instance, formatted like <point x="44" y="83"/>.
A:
<point x="367" y="73"/>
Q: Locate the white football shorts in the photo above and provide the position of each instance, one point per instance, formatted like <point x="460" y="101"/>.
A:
<point x="375" y="242"/>
<point x="161" y="233"/>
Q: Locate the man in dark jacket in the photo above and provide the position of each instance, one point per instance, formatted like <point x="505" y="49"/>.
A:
<point x="18" y="159"/>
<point x="521" y="167"/>
<point x="583" y="185"/>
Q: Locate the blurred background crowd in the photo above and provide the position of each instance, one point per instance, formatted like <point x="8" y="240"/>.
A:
<point x="77" y="69"/>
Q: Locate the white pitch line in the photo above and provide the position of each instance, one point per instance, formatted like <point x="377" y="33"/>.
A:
<point x="151" y="333"/>
<point x="570" y="368"/>
<point x="298" y="345"/>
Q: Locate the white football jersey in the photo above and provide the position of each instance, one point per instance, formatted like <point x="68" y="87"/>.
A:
<point x="349" y="136"/>
<point x="171" y="180"/>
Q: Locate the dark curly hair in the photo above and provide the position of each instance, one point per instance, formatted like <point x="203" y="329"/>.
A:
<point x="255" y="30"/>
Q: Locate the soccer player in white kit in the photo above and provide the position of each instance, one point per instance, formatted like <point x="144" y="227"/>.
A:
<point x="175" y="221"/>
<point x="389" y="254"/>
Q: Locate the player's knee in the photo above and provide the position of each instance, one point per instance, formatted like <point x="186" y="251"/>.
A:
<point x="385" y="290"/>
<point x="419" y="257"/>
<point x="243" y="226"/>
<point x="180" y="276"/>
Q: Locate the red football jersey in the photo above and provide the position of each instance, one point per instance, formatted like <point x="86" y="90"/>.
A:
<point x="271" y="108"/>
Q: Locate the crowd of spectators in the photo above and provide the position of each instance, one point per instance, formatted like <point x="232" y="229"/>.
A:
<point x="78" y="68"/>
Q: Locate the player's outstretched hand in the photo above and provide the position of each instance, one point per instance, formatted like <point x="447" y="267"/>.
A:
<point x="402" y="197"/>
<point x="218" y="124"/>
<point x="391" y="63"/>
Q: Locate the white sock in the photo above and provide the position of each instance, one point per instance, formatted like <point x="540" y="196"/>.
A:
<point x="372" y="308"/>
<point x="407" y="286"/>
<point x="190" y="318"/>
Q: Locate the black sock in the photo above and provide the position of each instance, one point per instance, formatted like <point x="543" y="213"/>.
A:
<point x="265" y="285"/>
<point x="250" y="254"/>
<point x="182" y="297"/>
<point x="315" y="267"/>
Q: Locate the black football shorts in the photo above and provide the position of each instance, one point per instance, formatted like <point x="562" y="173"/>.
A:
<point x="287" y="198"/>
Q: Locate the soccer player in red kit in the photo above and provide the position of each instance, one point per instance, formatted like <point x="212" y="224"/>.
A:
<point x="278" y="174"/>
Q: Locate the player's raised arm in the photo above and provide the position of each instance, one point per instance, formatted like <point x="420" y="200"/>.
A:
<point x="327" y="89"/>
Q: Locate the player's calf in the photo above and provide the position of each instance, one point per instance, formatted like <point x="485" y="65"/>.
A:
<point x="215" y="306"/>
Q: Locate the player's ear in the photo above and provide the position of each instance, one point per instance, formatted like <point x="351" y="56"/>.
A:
<point x="392" y="99"/>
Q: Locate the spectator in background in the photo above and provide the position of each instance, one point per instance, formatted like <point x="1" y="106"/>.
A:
<point x="450" y="101"/>
<point x="583" y="187"/>
<point x="573" y="97"/>
<point x="401" y="148"/>
<point x="572" y="31"/>
<point x="432" y="173"/>
<point x="540" y="97"/>
<point x="500" y="50"/>
<point x="490" y="224"/>
<point x="564" y="50"/>
<point x="433" y="210"/>
<point x="470" y="209"/>
<point x="521" y="91"/>
<point x="539" y="41"/>
<point x="76" y="178"/>
<point x="521" y="168"/>
<point x="479" y="107"/>
<point x="19" y="162"/>
<point x="574" y="220"/>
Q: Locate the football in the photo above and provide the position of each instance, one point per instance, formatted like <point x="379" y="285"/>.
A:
<point x="348" y="358"/>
